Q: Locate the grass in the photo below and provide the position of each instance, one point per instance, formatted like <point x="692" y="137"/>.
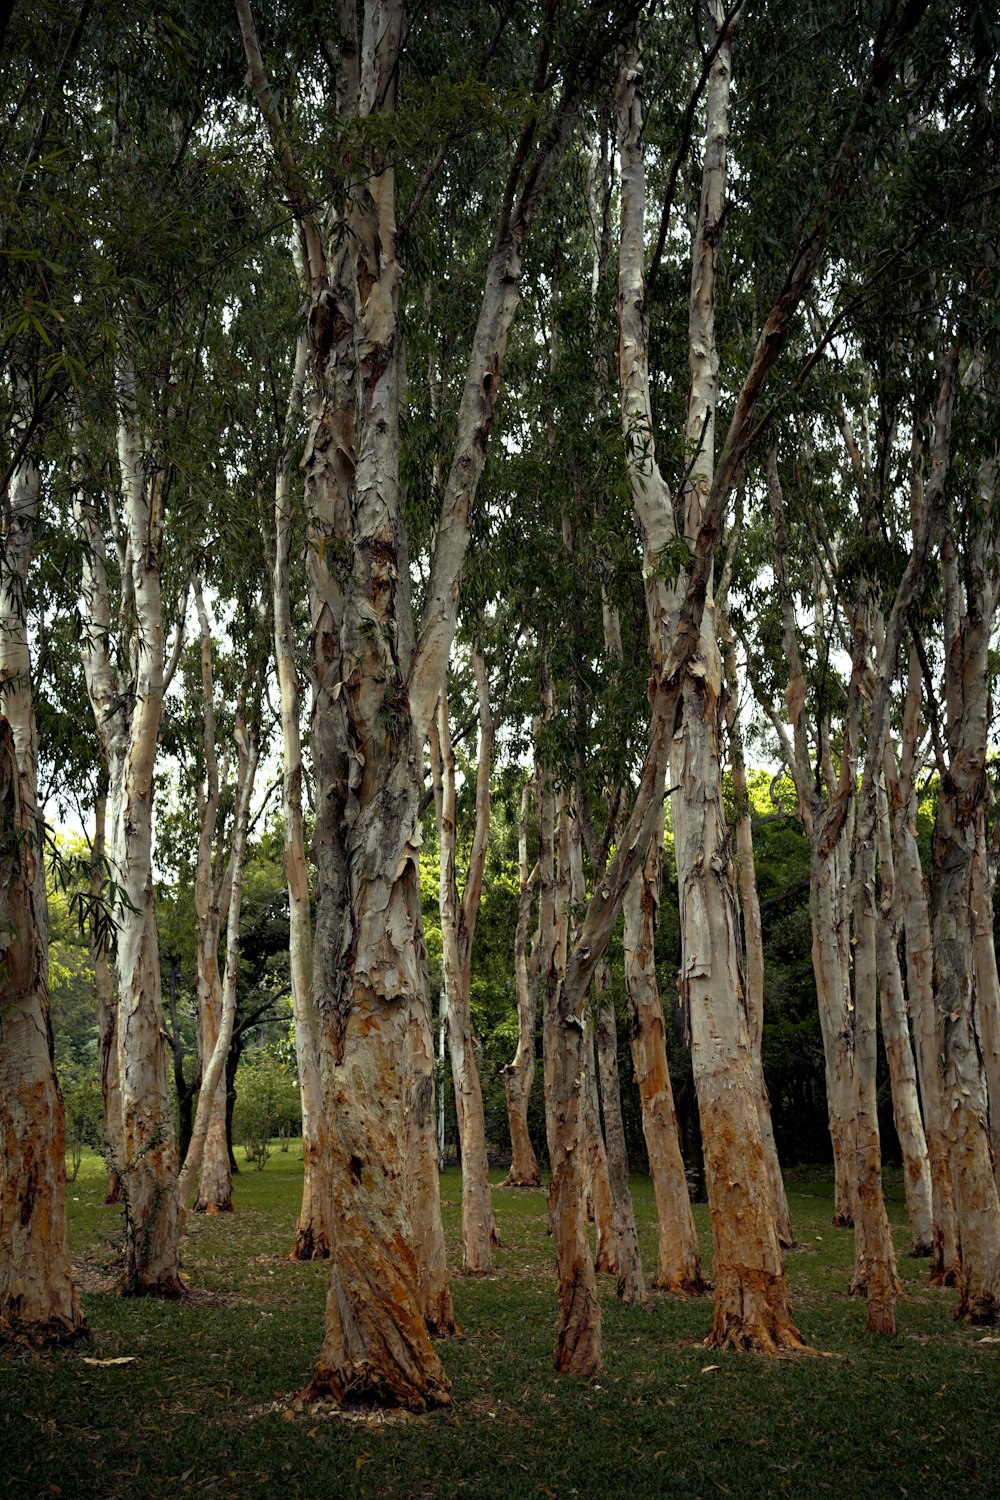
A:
<point x="208" y="1407"/>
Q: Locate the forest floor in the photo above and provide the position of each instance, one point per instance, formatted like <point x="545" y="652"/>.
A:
<point x="207" y="1402"/>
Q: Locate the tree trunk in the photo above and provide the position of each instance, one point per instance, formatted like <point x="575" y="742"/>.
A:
<point x="915" y="906"/>
<point x="829" y="912"/>
<point x="38" y="1296"/>
<point x="313" y="1231"/>
<point x="987" y="984"/>
<point x="957" y="832"/>
<point x="678" y="1263"/>
<point x="896" y="1036"/>
<point x="128" y="715"/>
<point x="458" y="920"/>
<point x="519" y="1074"/>
<point x="628" y="1263"/>
<point x="212" y="893"/>
<point x="966" y="1106"/>
<point x="753" y="943"/>
<point x="107" y="1006"/>
<point x="210" y="1119"/>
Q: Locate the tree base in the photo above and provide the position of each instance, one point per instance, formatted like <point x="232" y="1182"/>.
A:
<point x="752" y="1314"/>
<point x="578" y="1347"/>
<point x="530" y="1183"/>
<point x="168" y="1288"/>
<point x="48" y="1334"/>
<point x="310" y="1244"/>
<point x="213" y="1208"/>
<point x="441" y="1321"/>
<point x="691" y="1285"/>
<point x="362" y="1389"/>
<point x="842" y="1221"/>
<point x="981" y="1310"/>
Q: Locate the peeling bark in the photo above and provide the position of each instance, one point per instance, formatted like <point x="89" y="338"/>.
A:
<point x="751" y="1298"/>
<point x="38" y="1295"/>
<point x="107" y="1006"/>
<point x="312" y="1231"/>
<point x="212" y="895"/>
<point x="957" y="831"/>
<point x="127" y="714"/>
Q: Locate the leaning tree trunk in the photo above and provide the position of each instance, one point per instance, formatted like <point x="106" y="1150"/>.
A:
<point x="38" y="1296"/>
<point x="519" y="1074"/>
<point x="957" y="831"/>
<point x="212" y="1098"/>
<point x="678" y="1263"/>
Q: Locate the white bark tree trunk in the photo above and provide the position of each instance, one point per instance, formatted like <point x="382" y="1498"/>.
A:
<point x="107" y="1004"/>
<point x="127" y="714"/>
<point x="212" y="891"/>
<point x="916" y="920"/>
<point x="458" y="922"/>
<point x="753" y="943"/>
<point x="899" y="1051"/>
<point x="957" y="831"/>
<point x="313" y="1231"/>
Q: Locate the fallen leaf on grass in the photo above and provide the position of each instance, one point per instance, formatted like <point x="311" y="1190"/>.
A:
<point x="123" y="1359"/>
<point x="707" y="1369"/>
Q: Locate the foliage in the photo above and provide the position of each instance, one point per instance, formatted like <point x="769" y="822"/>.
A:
<point x="267" y="1102"/>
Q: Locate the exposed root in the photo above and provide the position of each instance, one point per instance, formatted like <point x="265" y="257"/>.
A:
<point x="365" y="1391"/>
<point x="683" y="1286"/>
<point x="53" y="1333"/>
<point x="752" y="1313"/>
<point x="981" y="1310"/>
<point x="310" y="1244"/>
<point x="168" y="1288"/>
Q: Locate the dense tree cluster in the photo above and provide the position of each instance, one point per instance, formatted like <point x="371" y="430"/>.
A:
<point x="496" y="414"/>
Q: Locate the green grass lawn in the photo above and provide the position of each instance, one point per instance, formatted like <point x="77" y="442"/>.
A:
<point x="208" y="1405"/>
